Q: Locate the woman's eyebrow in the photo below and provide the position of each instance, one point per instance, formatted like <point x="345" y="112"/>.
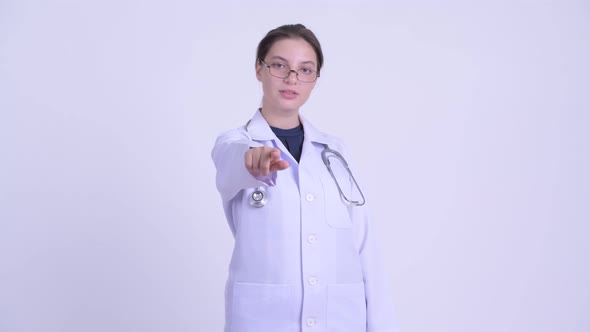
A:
<point x="287" y="61"/>
<point x="279" y="58"/>
<point x="308" y="62"/>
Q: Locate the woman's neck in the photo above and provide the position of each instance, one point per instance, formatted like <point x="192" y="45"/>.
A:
<point x="281" y="119"/>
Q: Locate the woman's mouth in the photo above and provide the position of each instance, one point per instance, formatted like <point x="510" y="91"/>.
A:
<point x="288" y="94"/>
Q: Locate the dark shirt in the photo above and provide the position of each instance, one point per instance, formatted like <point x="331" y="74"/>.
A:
<point x="292" y="139"/>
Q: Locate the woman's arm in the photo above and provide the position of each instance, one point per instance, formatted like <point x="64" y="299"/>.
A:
<point x="380" y="312"/>
<point x="243" y="163"/>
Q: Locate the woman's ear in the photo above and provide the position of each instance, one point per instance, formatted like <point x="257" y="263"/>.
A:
<point x="258" y="68"/>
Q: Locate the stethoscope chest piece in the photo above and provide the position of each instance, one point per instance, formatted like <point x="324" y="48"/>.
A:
<point x="258" y="198"/>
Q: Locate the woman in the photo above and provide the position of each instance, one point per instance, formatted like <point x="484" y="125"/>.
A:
<point x="304" y="255"/>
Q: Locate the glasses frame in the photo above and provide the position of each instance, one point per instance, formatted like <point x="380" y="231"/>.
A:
<point x="289" y="73"/>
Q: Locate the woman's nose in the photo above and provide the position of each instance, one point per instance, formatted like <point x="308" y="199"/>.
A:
<point x="291" y="78"/>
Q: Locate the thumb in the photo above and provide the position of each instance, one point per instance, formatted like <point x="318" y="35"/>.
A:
<point x="279" y="165"/>
<point x="276" y="163"/>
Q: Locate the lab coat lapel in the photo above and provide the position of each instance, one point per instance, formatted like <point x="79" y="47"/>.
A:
<point x="313" y="142"/>
<point x="312" y="134"/>
<point x="259" y="129"/>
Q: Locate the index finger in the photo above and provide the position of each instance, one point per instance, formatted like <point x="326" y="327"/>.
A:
<point x="275" y="155"/>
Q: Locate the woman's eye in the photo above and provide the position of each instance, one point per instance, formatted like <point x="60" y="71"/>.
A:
<point x="277" y="65"/>
<point x="306" y="70"/>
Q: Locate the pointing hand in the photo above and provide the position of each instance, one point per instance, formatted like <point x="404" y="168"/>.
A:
<point x="263" y="160"/>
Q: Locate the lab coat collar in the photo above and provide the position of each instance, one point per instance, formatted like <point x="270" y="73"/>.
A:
<point x="312" y="134"/>
<point x="259" y="130"/>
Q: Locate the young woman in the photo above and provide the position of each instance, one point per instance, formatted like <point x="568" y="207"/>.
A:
<point x="304" y="256"/>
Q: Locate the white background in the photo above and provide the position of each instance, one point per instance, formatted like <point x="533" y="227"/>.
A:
<point x="468" y="122"/>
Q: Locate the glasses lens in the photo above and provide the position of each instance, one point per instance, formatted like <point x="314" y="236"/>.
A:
<point x="308" y="78"/>
<point x="279" y="71"/>
<point x="282" y="71"/>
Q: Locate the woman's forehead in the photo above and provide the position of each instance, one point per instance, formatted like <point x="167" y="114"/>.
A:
<point x="292" y="50"/>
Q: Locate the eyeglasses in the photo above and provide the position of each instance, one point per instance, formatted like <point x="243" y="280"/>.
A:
<point x="281" y="70"/>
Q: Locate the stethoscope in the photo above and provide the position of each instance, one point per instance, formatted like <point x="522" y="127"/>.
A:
<point x="258" y="198"/>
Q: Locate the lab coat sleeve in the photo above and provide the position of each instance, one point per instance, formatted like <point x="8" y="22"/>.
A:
<point x="380" y="312"/>
<point x="228" y="157"/>
<point x="378" y="294"/>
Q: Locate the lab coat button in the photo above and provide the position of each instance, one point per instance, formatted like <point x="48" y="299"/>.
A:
<point x="311" y="322"/>
<point x="313" y="281"/>
<point x="309" y="197"/>
<point x="312" y="238"/>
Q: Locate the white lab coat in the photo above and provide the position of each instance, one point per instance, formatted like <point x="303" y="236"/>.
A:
<point x="305" y="261"/>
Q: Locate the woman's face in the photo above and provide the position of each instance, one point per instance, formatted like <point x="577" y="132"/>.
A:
<point x="286" y="94"/>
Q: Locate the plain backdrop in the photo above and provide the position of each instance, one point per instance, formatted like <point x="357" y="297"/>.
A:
<point x="468" y="122"/>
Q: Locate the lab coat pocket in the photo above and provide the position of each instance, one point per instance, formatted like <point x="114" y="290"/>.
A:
<point x="264" y="307"/>
<point x="347" y="308"/>
<point x="336" y="209"/>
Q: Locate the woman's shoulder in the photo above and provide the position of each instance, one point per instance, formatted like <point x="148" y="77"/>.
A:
<point x="235" y="134"/>
<point x="321" y="136"/>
